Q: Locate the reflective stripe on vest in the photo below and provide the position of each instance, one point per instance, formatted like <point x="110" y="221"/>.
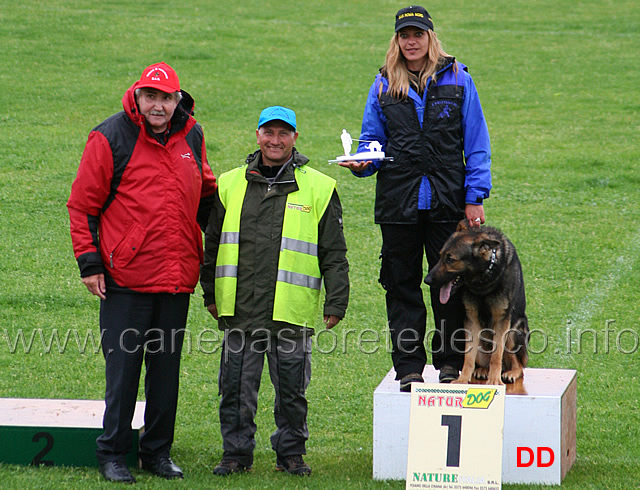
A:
<point x="299" y="281"/>
<point x="230" y="184"/>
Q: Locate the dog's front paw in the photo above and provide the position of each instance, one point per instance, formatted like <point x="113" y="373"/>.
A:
<point x="460" y="381"/>
<point x="495" y="380"/>
<point x="481" y="373"/>
<point x="511" y="376"/>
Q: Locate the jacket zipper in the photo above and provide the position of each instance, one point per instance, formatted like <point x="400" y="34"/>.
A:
<point x="271" y="184"/>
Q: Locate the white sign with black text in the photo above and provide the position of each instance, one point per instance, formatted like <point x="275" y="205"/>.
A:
<point x="455" y="437"/>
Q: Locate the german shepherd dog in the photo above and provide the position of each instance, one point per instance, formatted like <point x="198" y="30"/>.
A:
<point x="482" y="265"/>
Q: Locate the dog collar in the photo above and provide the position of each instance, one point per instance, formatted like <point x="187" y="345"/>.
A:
<point x="492" y="262"/>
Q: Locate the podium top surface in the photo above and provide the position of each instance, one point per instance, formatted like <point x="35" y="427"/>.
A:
<point x="536" y="382"/>
<point x="40" y="412"/>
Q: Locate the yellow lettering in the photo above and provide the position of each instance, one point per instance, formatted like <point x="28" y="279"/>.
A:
<point x="411" y="14"/>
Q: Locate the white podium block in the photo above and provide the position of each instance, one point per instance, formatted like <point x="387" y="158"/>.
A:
<point x="539" y="442"/>
<point x="57" y="432"/>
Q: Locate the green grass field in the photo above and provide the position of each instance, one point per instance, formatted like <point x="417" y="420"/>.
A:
<point x="558" y="83"/>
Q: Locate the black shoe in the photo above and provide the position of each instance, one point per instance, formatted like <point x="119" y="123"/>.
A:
<point x="294" y="465"/>
<point x="405" y="382"/>
<point x="448" y="374"/>
<point x="162" y="466"/>
<point x="228" y="466"/>
<point x="116" y="471"/>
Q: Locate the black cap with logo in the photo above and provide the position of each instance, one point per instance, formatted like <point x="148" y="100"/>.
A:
<point x="413" y="16"/>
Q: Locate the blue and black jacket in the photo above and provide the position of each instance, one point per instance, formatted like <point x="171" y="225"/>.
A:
<point x="440" y="148"/>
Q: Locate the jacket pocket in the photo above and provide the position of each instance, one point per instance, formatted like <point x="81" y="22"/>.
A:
<point x="128" y="247"/>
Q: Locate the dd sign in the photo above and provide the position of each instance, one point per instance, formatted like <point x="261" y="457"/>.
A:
<point x="455" y="437"/>
<point x="542" y="457"/>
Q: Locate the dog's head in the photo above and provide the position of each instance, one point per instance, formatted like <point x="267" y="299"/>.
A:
<point x="465" y="256"/>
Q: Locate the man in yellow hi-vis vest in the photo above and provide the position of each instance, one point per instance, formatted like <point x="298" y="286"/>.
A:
<point x="274" y="236"/>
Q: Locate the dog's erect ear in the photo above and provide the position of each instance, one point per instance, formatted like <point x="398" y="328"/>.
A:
<point x="463" y="225"/>
<point x="483" y="245"/>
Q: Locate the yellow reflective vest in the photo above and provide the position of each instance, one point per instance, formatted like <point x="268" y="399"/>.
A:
<point x="299" y="281"/>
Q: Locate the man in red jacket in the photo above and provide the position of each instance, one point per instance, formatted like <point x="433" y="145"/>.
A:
<point x="143" y="188"/>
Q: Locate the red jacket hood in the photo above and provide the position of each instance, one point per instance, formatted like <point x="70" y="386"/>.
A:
<point x="179" y="119"/>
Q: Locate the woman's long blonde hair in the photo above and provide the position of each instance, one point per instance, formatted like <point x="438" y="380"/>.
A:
<point x="396" y="71"/>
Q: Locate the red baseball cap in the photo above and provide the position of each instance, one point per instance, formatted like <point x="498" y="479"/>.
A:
<point x="160" y="76"/>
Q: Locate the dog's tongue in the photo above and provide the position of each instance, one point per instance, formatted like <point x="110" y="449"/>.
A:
<point x="445" y="292"/>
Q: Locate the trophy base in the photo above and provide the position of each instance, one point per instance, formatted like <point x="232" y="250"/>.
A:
<point x="360" y="157"/>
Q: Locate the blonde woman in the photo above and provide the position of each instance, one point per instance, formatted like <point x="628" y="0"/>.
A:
<point x="423" y="108"/>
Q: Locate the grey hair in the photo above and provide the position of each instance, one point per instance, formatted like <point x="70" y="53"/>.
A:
<point x="178" y="94"/>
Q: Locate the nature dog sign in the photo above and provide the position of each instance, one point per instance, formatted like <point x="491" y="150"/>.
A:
<point x="455" y="437"/>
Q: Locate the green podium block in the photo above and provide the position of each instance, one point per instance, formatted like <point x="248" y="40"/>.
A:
<point x="57" y="432"/>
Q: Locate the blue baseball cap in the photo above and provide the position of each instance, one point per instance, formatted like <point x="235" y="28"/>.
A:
<point x="279" y="113"/>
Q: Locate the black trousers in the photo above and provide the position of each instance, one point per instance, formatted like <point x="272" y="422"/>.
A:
<point x="401" y="275"/>
<point x="241" y="366"/>
<point x="137" y="327"/>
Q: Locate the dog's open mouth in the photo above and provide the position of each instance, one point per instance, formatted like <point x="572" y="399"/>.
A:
<point x="445" y="291"/>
